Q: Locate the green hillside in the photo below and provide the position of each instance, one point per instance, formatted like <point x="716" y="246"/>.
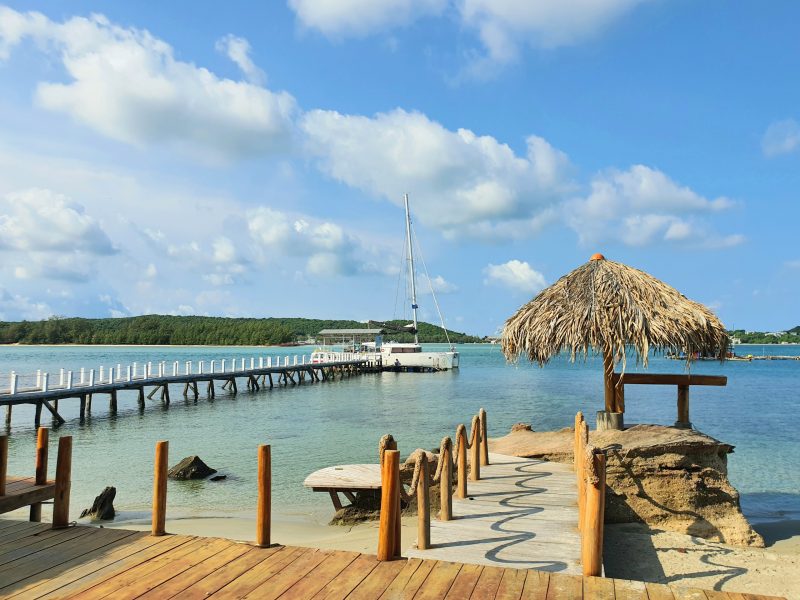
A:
<point x="163" y="329"/>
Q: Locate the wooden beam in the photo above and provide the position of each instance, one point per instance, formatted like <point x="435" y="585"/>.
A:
<point x="683" y="408"/>
<point x="63" y="483"/>
<point x="670" y="379"/>
<point x="59" y="419"/>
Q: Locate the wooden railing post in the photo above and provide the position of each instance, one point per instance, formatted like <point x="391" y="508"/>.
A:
<point x="575" y="442"/>
<point x="461" y="440"/>
<point x="264" y="509"/>
<point x="423" y="506"/>
<point x="160" y="488"/>
<point x="445" y="492"/>
<point x="583" y="440"/>
<point x="390" y="505"/>
<point x="63" y="483"/>
<point x="683" y="408"/>
<point x="475" y="451"/>
<point x="3" y="463"/>
<point x="592" y="542"/>
<point x="484" y="438"/>
<point x="42" y="444"/>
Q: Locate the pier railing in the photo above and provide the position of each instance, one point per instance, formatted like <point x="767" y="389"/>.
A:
<point x="393" y="491"/>
<point x="590" y="473"/>
<point x="68" y="379"/>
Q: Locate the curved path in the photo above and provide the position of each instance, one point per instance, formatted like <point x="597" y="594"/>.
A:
<point x="522" y="514"/>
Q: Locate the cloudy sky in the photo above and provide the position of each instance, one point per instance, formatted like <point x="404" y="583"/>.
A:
<point x="182" y="158"/>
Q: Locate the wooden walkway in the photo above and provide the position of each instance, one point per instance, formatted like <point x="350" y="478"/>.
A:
<point x="88" y="562"/>
<point x="23" y="491"/>
<point x="522" y="513"/>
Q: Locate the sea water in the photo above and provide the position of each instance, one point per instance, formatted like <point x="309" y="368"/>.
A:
<point x="312" y="426"/>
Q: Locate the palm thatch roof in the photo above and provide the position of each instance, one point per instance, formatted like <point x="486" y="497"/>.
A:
<point x="608" y="306"/>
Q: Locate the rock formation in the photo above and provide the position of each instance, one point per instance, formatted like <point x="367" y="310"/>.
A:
<point x="103" y="506"/>
<point x="190" y="467"/>
<point x="669" y="478"/>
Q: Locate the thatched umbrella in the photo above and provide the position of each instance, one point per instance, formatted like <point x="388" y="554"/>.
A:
<point x="607" y="307"/>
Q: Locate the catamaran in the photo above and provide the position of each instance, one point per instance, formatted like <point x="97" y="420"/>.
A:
<point x="400" y="356"/>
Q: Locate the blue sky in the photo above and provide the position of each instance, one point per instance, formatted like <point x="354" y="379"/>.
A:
<point x="250" y="161"/>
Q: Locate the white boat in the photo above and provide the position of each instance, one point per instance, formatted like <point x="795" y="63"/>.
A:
<point x="406" y="356"/>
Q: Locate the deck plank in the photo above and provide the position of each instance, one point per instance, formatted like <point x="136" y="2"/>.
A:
<point x="323" y="574"/>
<point x="439" y="581"/>
<point x="9" y="558"/>
<point x="258" y="574"/>
<point x="565" y="587"/>
<point x="625" y="589"/>
<point x="378" y="581"/>
<point x="276" y="585"/>
<point x="348" y="579"/>
<point x="464" y="582"/>
<point x="536" y="584"/>
<point x="395" y="589"/>
<point x="488" y="584"/>
<point x="511" y="585"/>
<point x="599" y="588"/>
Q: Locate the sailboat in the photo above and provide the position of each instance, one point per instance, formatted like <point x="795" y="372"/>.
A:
<point x="396" y="356"/>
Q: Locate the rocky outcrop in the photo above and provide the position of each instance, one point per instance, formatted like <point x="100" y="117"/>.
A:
<point x="669" y="478"/>
<point x="103" y="506"/>
<point x="191" y="467"/>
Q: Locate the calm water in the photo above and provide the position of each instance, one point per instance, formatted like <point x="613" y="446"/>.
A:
<point x="313" y="426"/>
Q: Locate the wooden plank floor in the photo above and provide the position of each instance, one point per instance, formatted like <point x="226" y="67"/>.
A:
<point x="23" y="491"/>
<point x="522" y="513"/>
<point x="87" y="562"/>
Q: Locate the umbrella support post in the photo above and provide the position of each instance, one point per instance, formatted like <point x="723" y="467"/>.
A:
<point x="610" y="420"/>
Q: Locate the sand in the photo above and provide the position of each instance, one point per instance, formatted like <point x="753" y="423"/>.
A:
<point x="632" y="551"/>
<point x="291" y="530"/>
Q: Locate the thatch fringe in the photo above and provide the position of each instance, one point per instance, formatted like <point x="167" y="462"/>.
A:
<point x="607" y="306"/>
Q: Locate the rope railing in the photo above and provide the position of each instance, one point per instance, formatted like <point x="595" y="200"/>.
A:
<point x="590" y="473"/>
<point x="422" y="480"/>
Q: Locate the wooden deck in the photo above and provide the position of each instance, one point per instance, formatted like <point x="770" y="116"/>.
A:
<point x="23" y="491"/>
<point x="522" y="513"/>
<point x="88" y="562"/>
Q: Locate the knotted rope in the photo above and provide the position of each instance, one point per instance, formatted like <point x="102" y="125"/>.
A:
<point x="474" y="435"/>
<point x="592" y="476"/>
<point x="419" y="455"/>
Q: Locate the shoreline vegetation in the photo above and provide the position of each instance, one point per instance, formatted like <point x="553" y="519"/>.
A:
<point x="163" y="330"/>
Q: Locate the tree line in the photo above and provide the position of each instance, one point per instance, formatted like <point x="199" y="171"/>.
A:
<point x="167" y="329"/>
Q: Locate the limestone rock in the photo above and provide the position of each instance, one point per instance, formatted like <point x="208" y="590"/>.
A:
<point x="669" y="478"/>
<point x="103" y="506"/>
<point x="521" y="427"/>
<point x="191" y="467"/>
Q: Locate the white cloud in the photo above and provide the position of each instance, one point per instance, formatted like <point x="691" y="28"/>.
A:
<point x="46" y="235"/>
<point x="641" y="206"/>
<point x="461" y="183"/>
<point x="14" y="307"/>
<point x="781" y="137"/>
<point x="440" y="286"/>
<point x="338" y="18"/>
<point x="515" y="274"/>
<point x="127" y="85"/>
<point x="327" y="248"/>
<point x="238" y="50"/>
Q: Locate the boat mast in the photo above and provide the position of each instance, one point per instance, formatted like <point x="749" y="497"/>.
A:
<point x="411" y="268"/>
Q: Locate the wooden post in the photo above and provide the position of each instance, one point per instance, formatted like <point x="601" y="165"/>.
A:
<point x="620" y="396"/>
<point x="160" y="488"/>
<point x="390" y="504"/>
<point x="423" y="507"/>
<point x="683" y="408"/>
<point x="42" y="444"/>
<point x="445" y="491"/>
<point x="264" y="508"/>
<point x="37" y="419"/>
<point x="484" y="438"/>
<point x="592" y="543"/>
<point x="8" y="415"/>
<point x="583" y="441"/>
<point x="63" y="483"/>
<point x="475" y="454"/>
<point x="575" y="441"/>
<point x="3" y="463"/>
<point x="461" y="440"/>
<point x="608" y="383"/>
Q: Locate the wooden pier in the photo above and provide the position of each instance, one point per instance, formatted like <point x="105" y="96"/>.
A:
<point x="258" y="374"/>
<point x="87" y="562"/>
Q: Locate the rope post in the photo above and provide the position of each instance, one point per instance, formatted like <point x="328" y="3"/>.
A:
<point x="592" y="546"/>
<point x="423" y="506"/>
<point x="3" y="463"/>
<point x="390" y="505"/>
<point x="160" y="488"/>
<point x="461" y="440"/>
<point x="575" y="442"/>
<point x="583" y="440"/>
<point x="42" y="443"/>
<point x="484" y="438"/>
<point x="264" y="509"/>
<point x="475" y="458"/>
<point x="445" y="489"/>
<point x="63" y="483"/>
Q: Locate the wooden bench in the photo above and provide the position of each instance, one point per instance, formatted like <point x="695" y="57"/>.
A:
<point x="683" y="382"/>
<point x="347" y="479"/>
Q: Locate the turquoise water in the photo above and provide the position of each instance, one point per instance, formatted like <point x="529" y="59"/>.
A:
<point x="313" y="426"/>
